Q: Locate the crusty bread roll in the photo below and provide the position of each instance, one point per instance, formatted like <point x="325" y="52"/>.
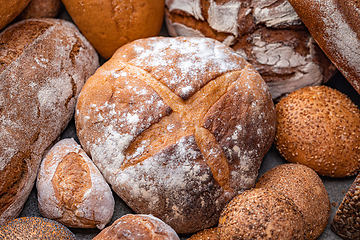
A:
<point x="269" y="34"/>
<point x="177" y="126"/>
<point x="346" y="222"/>
<point x="261" y="214"/>
<point x="71" y="190"/>
<point x="9" y="9"/>
<point x="206" y="234"/>
<point x="40" y="9"/>
<point x="35" y="228"/>
<point x="302" y="185"/>
<point x="319" y="127"/>
<point x="138" y="227"/>
<point x="110" y="24"/>
<point x="43" y="65"/>
<point x="335" y="25"/>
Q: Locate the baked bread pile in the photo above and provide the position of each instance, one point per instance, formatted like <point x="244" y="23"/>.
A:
<point x="175" y="129"/>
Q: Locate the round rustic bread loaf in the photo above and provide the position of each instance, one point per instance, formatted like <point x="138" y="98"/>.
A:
<point x="320" y="128"/>
<point x="110" y="24"/>
<point x="335" y="25"/>
<point x="346" y="222"/>
<point x="35" y="228"/>
<point x="261" y="214"/>
<point x="177" y="126"/>
<point x="10" y="9"/>
<point x="71" y="190"/>
<point x="138" y="227"/>
<point x="268" y="34"/>
<point x="43" y="65"/>
<point x="40" y="9"/>
<point x="302" y="185"/>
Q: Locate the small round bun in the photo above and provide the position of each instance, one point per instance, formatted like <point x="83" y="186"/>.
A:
<point x="261" y="214"/>
<point x="320" y="128"/>
<point x="138" y="227"/>
<point x="206" y="234"/>
<point x="34" y="228"/>
<point x="302" y="185"/>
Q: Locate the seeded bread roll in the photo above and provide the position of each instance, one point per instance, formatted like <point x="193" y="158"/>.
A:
<point x="346" y="222"/>
<point x="138" y="227"/>
<point x="177" y="126"/>
<point x="40" y="9"/>
<point x="320" y="128"/>
<point x="71" y="190"/>
<point x="43" y="65"/>
<point x="261" y="214"/>
<point x="109" y="24"/>
<point x="335" y="25"/>
<point x="268" y="34"/>
<point x="35" y="228"/>
<point x="206" y="234"/>
<point x="10" y="9"/>
<point x="302" y="185"/>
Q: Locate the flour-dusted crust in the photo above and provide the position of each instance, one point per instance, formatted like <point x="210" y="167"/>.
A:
<point x="43" y="65"/>
<point x="177" y="126"/>
<point x="268" y="34"/>
<point x="335" y="25"/>
<point x="71" y="190"/>
<point x="138" y="227"/>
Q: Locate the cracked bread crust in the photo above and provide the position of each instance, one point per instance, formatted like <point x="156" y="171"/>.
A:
<point x="43" y="65"/>
<point x="178" y="126"/>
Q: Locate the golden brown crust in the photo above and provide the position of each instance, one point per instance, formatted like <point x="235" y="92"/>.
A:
<point x="10" y="9"/>
<point x="302" y="185"/>
<point x="261" y="214"/>
<point x="40" y="9"/>
<point x="110" y="24"/>
<point x="319" y="127"/>
<point x="185" y="121"/>
<point x="34" y="228"/>
<point x="43" y="65"/>
<point x="335" y="25"/>
<point x="138" y="227"/>
<point x="206" y="234"/>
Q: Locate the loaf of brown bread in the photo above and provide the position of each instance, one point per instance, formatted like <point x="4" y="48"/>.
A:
<point x="9" y="9"/>
<point x="40" y="9"/>
<point x="335" y="25"/>
<point x="43" y="65"/>
<point x="178" y="126"/>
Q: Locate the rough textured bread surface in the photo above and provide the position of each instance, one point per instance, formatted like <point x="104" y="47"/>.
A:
<point x="10" y="9"/>
<point x="177" y="126"/>
<point x="261" y="214"/>
<point x="206" y="234"/>
<point x="109" y="24"/>
<point x="138" y="227"/>
<point x="40" y="9"/>
<point x="335" y="25"/>
<point x="71" y="190"/>
<point x="43" y="65"/>
<point x="346" y="222"/>
<point x="269" y="34"/>
<point x="302" y="185"/>
<point x="35" y="228"/>
<point x="320" y="128"/>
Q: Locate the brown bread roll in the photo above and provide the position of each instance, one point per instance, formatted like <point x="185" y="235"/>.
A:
<point x="110" y="24"/>
<point x="138" y="227"/>
<point x="34" y="228"/>
<point x="206" y="234"/>
<point x="40" y="9"/>
<point x="335" y="25"/>
<point x="261" y="214"/>
<point x="269" y="34"/>
<point x="9" y="9"/>
<point x="178" y="126"/>
<point x="320" y="128"/>
<point x="71" y="190"/>
<point x="302" y="185"/>
<point x="43" y="65"/>
<point x="346" y="222"/>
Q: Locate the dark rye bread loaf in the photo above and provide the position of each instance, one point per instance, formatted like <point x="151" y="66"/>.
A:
<point x="43" y="66"/>
<point x="177" y="126"/>
<point x="269" y="34"/>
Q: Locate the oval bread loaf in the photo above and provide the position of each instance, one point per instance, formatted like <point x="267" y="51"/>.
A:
<point x="10" y="9"/>
<point x="71" y="190"/>
<point x="178" y="126"/>
<point x="43" y="65"/>
<point x="40" y="9"/>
